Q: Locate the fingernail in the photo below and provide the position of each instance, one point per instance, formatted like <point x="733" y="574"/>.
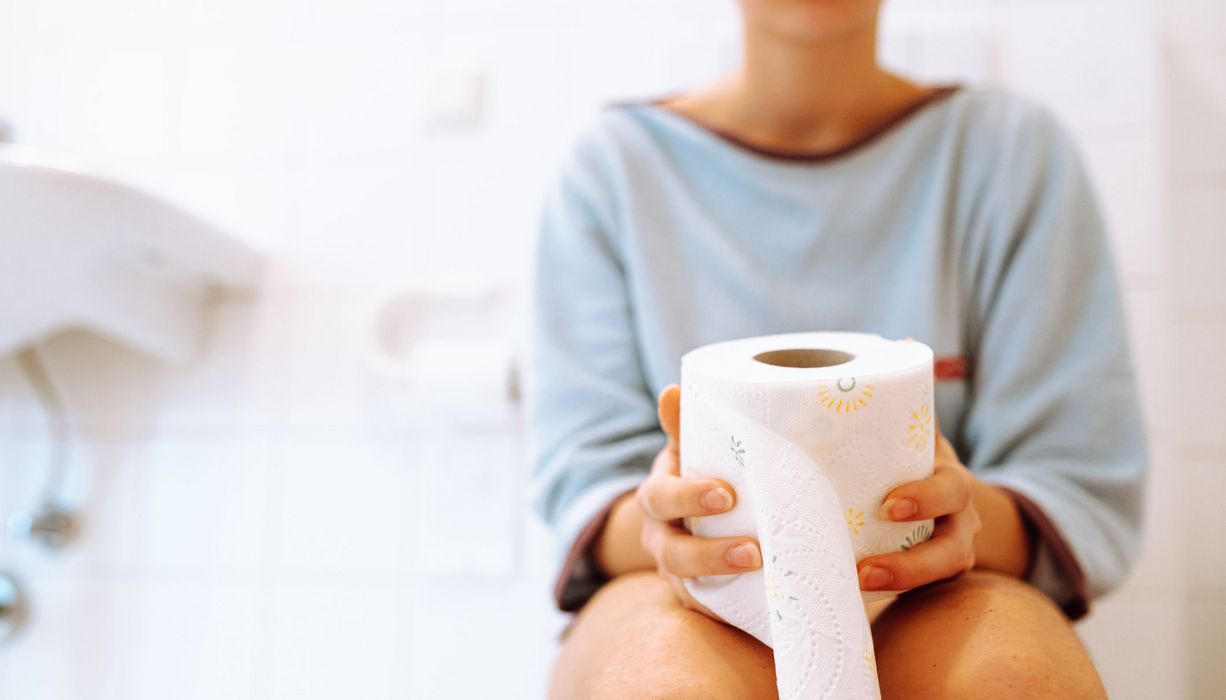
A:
<point x="744" y="556"/>
<point x="875" y="578"/>
<point x="717" y="499"/>
<point x="899" y="509"/>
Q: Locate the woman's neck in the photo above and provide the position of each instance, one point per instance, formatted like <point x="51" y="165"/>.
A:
<point x="803" y="96"/>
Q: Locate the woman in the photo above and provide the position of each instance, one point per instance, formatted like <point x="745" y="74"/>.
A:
<point x="813" y="190"/>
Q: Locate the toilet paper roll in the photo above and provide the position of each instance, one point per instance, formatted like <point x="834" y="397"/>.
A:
<point x="811" y="430"/>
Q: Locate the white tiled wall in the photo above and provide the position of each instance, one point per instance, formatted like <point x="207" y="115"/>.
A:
<point x="268" y="522"/>
<point x="1194" y="80"/>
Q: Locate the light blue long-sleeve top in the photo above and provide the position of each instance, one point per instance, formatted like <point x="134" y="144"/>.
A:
<point x="967" y="223"/>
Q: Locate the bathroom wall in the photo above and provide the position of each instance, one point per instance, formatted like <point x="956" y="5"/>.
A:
<point x="1194" y="93"/>
<point x="279" y="519"/>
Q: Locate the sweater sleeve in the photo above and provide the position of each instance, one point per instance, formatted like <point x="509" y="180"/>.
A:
<point x="1054" y="417"/>
<point x="594" y="429"/>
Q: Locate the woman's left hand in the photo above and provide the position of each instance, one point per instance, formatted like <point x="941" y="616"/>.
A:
<point x="945" y="496"/>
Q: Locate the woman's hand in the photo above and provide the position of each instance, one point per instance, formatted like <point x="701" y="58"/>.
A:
<point x="666" y="498"/>
<point x="948" y="496"/>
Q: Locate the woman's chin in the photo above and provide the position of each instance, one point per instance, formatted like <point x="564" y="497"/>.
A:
<point x="811" y="21"/>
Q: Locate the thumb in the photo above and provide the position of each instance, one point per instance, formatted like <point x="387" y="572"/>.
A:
<point x="669" y="410"/>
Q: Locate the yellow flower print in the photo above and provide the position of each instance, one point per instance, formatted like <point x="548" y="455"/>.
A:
<point x="919" y="431"/>
<point x="845" y="396"/>
<point x="855" y="521"/>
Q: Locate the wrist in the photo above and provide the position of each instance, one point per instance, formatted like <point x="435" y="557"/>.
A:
<point x="1006" y="543"/>
<point x="619" y="550"/>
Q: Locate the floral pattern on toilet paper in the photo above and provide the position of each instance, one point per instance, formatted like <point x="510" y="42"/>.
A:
<point x="855" y="521"/>
<point x="921" y="533"/>
<point x="774" y="586"/>
<point x="920" y="429"/>
<point x="846" y="395"/>
<point x="738" y="452"/>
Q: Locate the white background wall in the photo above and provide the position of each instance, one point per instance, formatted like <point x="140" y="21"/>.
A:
<point x="272" y="521"/>
<point x="1194" y="93"/>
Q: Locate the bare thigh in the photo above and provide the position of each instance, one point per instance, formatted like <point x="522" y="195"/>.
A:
<point x="980" y="635"/>
<point x="635" y="640"/>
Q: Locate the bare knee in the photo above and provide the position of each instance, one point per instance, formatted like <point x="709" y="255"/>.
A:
<point x="662" y="665"/>
<point x="1029" y="649"/>
<point x="635" y="640"/>
<point x="981" y="635"/>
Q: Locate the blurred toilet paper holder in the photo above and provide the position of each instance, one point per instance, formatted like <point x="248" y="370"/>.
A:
<point x="448" y="345"/>
<point x="12" y="606"/>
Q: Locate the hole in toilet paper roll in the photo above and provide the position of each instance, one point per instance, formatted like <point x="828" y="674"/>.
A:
<point x="805" y="358"/>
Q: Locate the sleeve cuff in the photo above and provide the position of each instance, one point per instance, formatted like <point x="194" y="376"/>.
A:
<point x="1053" y="567"/>
<point x="579" y="578"/>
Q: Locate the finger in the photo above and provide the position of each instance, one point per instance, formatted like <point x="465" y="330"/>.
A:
<point x="667" y="462"/>
<point x="947" y="491"/>
<point x="945" y="450"/>
<point x="653" y="535"/>
<point x="950" y="552"/>
<point x="688" y="556"/>
<point x="936" y="430"/>
<point x="669" y="497"/>
<point x="669" y="411"/>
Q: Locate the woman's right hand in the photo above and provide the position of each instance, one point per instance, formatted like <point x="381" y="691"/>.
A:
<point x="666" y="498"/>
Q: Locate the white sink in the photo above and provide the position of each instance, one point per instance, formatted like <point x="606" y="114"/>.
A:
<point x="80" y="249"/>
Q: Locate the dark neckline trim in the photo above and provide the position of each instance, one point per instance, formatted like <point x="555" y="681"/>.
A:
<point x="897" y="119"/>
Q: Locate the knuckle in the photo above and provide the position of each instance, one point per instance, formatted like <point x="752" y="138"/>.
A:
<point x="655" y="499"/>
<point x="965" y="476"/>
<point x="647" y="538"/>
<point x="643" y="494"/>
<point x="967" y="552"/>
<point x="713" y="558"/>
<point x="964" y="495"/>
<point x="976" y="524"/>
<point x="672" y="556"/>
<point x="665" y="556"/>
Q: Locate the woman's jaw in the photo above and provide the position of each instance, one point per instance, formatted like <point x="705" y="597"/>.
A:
<point x="810" y="21"/>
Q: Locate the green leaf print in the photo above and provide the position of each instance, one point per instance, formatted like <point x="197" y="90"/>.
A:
<point x="737" y="451"/>
<point x="920" y="534"/>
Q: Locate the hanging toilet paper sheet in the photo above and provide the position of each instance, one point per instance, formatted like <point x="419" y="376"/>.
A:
<point x="811" y="430"/>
